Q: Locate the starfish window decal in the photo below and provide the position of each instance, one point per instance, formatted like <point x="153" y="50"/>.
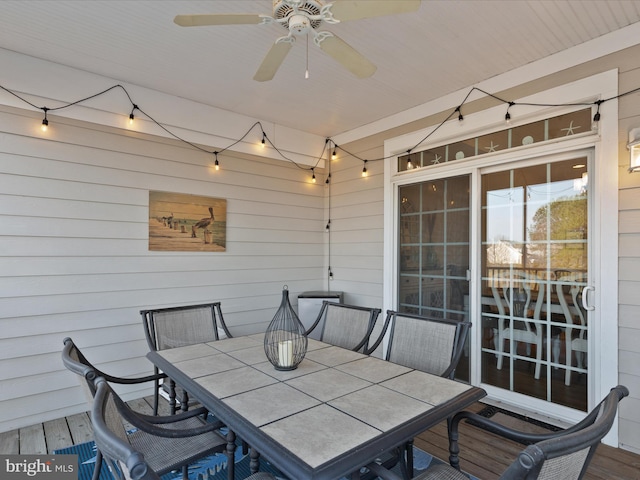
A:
<point x="436" y="159"/>
<point x="570" y="129"/>
<point x="491" y="148"/>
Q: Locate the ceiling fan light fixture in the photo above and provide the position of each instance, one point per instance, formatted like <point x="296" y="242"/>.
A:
<point x="303" y="17"/>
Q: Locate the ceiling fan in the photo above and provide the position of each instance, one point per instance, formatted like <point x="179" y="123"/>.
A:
<point x="303" y="17"/>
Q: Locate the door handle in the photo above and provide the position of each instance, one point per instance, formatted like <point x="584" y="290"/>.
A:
<point x="585" y="294"/>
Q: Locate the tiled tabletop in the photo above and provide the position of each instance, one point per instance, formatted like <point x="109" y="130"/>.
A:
<point x="325" y="418"/>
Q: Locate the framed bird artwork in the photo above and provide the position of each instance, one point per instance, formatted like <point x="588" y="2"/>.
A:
<point x="187" y="223"/>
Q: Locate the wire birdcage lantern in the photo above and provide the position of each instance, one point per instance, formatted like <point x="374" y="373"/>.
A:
<point x="285" y="342"/>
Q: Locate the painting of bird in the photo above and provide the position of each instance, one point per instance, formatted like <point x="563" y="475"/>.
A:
<point x="203" y="223"/>
<point x="187" y="231"/>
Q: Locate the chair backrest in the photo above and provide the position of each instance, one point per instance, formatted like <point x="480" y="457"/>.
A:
<point x="111" y="437"/>
<point x="346" y="326"/>
<point x="568" y="454"/>
<point x="570" y="286"/>
<point x="515" y="295"/>
<point x="184" y="325"/>
<point x="433" y="345"/>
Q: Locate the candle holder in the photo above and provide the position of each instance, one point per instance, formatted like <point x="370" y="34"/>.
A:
<point x="285" y="342"/>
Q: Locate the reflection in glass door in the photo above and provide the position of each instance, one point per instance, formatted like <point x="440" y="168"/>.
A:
<point x="534" y="269"/>
<point x="434" y="251"/>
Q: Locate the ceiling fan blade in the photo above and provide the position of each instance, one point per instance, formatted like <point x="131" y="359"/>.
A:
<point x="348" y="56"/>
<point x="272" y="61"/>
<point x="217" y="19"/>
<point x="355" y="10"/>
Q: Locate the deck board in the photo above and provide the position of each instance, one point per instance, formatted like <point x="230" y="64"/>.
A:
<point x="10" y="442"/>
<point x="32" y="440"/>
<point x="57" y="434"/>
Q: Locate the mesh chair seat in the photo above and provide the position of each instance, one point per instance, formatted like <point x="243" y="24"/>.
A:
<point x="346" y="326"/>
<point x="164" y="444"/>
<point x="164" y="454"/>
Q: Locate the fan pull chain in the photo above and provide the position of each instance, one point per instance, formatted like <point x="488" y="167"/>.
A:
<point x="306" y="73"/>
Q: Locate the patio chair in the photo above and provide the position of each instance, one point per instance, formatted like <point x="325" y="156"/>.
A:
<point x="432" y="345"/>
<point x="565" y="454"/>
<point x="180" y="326"/>
<point x="150" y="446"/>
<point x="346" y="326"/>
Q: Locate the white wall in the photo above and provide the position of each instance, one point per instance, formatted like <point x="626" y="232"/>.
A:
<point x="629" y="265"/>
<point x="74" y="257"/>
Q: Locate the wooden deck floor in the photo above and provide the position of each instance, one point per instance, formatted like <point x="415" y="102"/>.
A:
<point x="482" y="454"/>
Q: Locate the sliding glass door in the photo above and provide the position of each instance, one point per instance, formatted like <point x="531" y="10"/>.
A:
<point x="434" y="220"/>
<point x="534" y="269"/>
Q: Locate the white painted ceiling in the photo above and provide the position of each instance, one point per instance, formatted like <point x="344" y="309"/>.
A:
<point x="443" y="47"/>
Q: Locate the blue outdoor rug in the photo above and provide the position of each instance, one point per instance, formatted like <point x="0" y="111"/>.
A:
<point x="213" y="467"/>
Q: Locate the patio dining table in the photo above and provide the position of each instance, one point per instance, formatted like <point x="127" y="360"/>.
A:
<point x="337" y="411"/>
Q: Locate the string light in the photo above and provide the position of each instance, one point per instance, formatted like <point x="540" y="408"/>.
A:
<point x="596" y="117"/>
<point x="507" y="116"/>
<point x="409" y="164"/>
<point x="216" y="164"/>
<point x="131" y="117"/>
<point x="364" y="169"/>
<point x="328" y="227"/>
<point x="313" y="175"/>
<point x="45" y="123"/>
<point x="328" y="180"/>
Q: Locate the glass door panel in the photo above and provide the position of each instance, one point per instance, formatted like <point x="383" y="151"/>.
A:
<point x="434" y="251"/>
<point x="534" y="233"/>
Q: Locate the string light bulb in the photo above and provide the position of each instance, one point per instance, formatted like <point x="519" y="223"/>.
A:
<point x="334" y="155"/>
<point x="409" y="164"/>
<point x="45" y="123"/>
<point x="596" y="117"/>
<point x="364" y="169"/>
<point x="328" y="180"/>
<point x="507" y="116"/>
<point x="460" y="117"/>
<point x="131" y="116"/>
<point x="216" y="164"/>
<point x="264" y="136"/>
<point x="313" y="175"/>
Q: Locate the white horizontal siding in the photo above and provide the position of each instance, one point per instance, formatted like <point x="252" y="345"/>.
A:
<point x="74" y="258"/>
<point x="629" y="268"/>
<point x="356" y="231"/>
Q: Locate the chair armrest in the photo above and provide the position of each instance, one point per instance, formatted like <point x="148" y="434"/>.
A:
<point x="318" y="318"/>
<point x="148" y="423"/>
<point x="178" y="417"/>
<point x="133" y="380"/>
<point x="506" y="432"/>
<point x="376" y="344"/>
<point x="496" y="428"/>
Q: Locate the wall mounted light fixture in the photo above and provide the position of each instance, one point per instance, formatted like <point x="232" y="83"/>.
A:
<point x="634" y="150"/>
